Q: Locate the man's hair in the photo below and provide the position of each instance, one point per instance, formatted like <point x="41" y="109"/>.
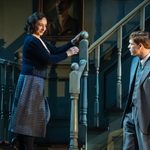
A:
<point x="31" y="21"/>
<point x="142" y="37"/>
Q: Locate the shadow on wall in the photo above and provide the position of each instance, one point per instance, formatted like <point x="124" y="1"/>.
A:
<point x="2" y="43"/>
<point x="9" y="52"/>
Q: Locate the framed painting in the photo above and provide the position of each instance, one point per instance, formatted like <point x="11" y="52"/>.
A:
<point x="65" y="18"/>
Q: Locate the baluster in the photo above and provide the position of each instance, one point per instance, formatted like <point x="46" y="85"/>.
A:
<point x="74" y="122"/>
<point x="74" y="89"/>
<point x="96" y="103"/>
<point x="9" y="99"/>
<point x="11" y="91"/>
<point x="3" y="84"/>
<point x="84" y="101"/>
<point x="119" y="70"/>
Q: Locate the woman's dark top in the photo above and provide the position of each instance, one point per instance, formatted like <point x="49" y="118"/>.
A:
<point x="36" y="58"/>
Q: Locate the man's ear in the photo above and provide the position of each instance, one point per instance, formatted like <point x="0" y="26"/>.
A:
<point x="141" y="45"/>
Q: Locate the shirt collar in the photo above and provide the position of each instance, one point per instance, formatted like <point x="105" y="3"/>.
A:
<point x="144" y="60"/>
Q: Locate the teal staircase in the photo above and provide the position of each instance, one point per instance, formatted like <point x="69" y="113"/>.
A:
<point x="110" y="65"/>
<point x="109" y="57"/>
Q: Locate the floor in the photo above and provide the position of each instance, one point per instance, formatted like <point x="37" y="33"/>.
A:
<point x="95" y="142"/>
<point x="110" y="139"/>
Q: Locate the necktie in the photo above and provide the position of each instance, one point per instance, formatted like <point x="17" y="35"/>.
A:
<point x="139" y="71"/>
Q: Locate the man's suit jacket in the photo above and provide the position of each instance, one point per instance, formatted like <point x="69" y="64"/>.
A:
<point x="143" y="95"/>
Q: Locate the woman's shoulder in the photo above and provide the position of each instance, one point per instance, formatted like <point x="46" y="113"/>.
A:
<point x="29" y="38"/>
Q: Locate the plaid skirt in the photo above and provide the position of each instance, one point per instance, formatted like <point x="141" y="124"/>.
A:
<point x="30" y="109"/>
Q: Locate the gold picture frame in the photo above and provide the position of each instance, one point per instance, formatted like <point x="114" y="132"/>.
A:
<point x="61" y="27"/>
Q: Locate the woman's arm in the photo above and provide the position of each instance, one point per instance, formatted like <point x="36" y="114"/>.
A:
<point x="56" y="50"/>
<point x="36" y="52"/>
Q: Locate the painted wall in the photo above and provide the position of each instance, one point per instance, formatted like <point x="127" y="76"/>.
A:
<point x="98" y="17"/>
<point x="13" y="15"/>
<point x="110" y="12"/>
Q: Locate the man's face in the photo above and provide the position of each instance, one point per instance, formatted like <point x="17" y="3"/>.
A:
<point x="134" y="49"/>
<point x="61" y="6"/>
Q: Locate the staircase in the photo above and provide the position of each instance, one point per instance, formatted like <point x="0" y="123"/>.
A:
<point x="111" y="137"/>
<point x="107" y="140"/>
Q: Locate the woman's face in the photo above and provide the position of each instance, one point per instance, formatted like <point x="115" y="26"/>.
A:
<point x="40" y="27"/>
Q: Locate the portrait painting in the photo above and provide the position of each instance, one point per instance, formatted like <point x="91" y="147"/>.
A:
<point x="64" y="18"/>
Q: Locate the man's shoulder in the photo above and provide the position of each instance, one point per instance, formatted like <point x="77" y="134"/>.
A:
<point x="135" y="59"/>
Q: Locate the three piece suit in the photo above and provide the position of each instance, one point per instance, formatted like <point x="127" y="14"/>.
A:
<point x="136" y="118"/>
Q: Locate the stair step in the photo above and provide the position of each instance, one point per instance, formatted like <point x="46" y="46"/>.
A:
<point x="52" y="147"/>
<point x="36" y="147"/>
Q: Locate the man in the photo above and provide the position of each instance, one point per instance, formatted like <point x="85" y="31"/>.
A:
<point x="136" y="118"/>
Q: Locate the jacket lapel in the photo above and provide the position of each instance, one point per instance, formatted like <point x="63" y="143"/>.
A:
<point x="134" y="66"/>
<point x="145" y="71"/>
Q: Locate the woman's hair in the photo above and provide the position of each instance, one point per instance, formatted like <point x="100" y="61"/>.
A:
<point x="142" y="37"/>
<point x="31" y="21"/>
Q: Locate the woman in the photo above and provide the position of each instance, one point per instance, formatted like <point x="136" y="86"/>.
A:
<point x="30" y="111"/>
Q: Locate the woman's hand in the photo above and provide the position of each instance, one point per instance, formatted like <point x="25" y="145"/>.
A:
<point x="72" y="51"/>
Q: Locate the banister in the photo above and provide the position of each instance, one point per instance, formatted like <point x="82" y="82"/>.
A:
<point x="117" y="29"/>
<point x="122" y="22"/>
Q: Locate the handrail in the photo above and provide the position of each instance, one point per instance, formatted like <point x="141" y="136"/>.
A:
<point x="8" y="62"/>
<point x="122" y="22"/>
